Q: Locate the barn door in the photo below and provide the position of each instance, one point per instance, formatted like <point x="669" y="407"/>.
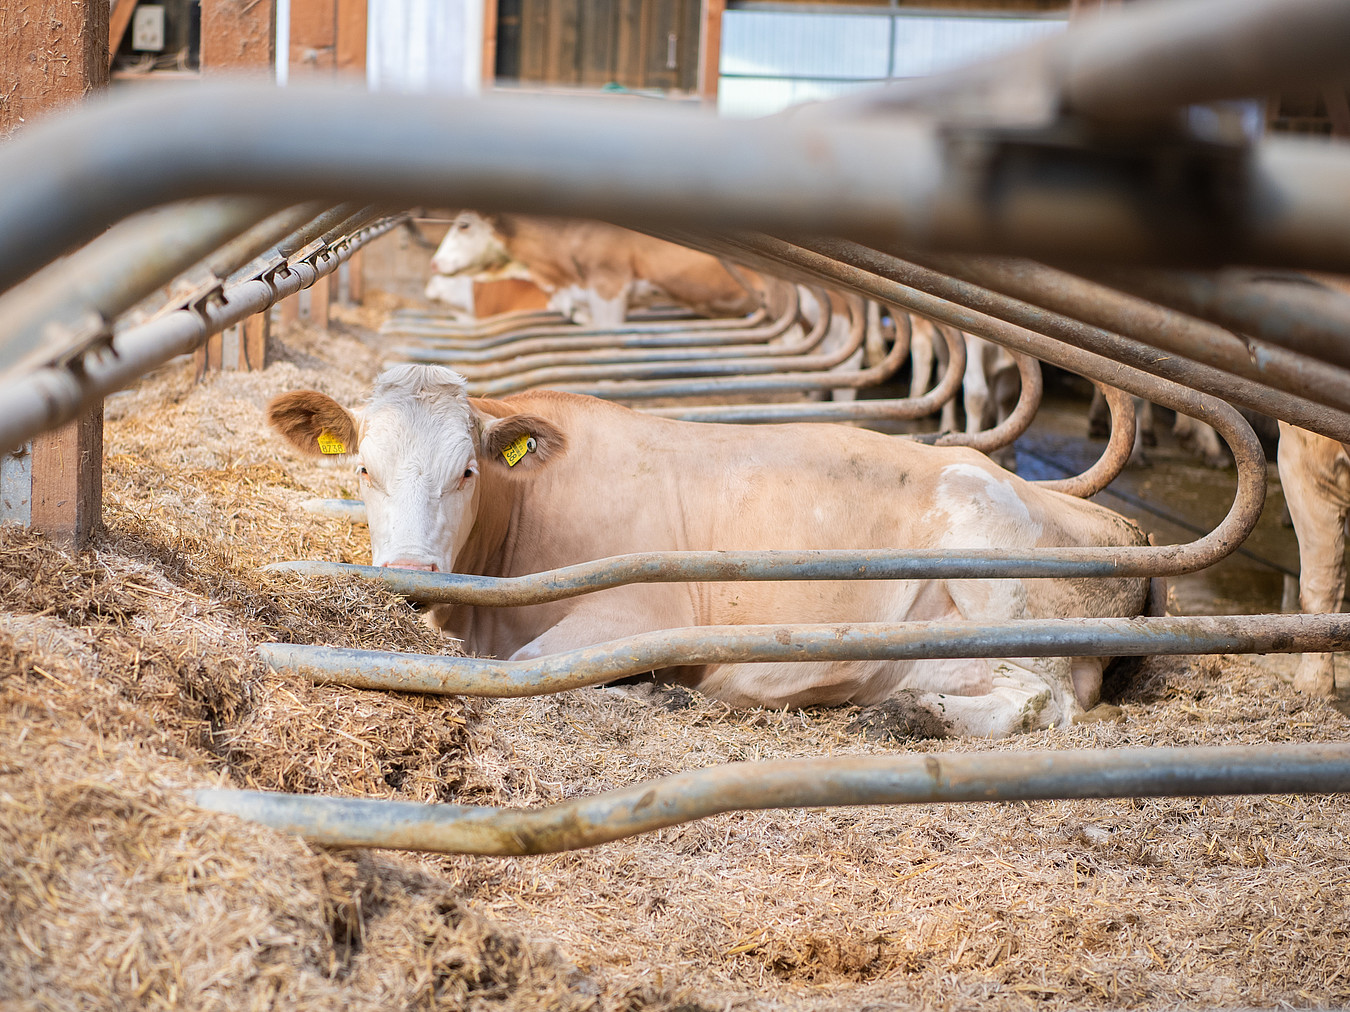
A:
<point x="640" y="44"/>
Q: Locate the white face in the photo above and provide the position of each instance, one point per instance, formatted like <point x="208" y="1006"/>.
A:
<point x="419" y="477"/>
<point x="470" y="246"/>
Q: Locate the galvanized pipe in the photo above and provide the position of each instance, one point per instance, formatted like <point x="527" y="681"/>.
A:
<point x="793" y="783"/>
<point x="1290" y="310"/>
<point x="1100" y="354"/>
<point x="316" y="228"/>
<point x="591" y="379"/>
<point x="1152" y="324"/>
<point x="905" y="180"/>
<point x="1115" y="455"/>
<point x="1028" y="401"/>
<point x="732" y="644"/>
<point x="690" y="348"/>
<point x="442" y="335"/>
<point x="73" y="300"/>
<point x="45" y="399"/>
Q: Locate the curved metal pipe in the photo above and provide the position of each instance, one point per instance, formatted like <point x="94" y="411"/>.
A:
<point x="989" y="314"/>
<point x="1028" y="401"/>
<point x="731" y="644"/>
<point x="1157" y="326"/>
<point x="566" y="355"/>
<point x="45" y="399"/>
<point x="614" y="377"/>
<point x="446" y="335"/>
<point x="792" y="783"/>
<point x="1115" y="455"/>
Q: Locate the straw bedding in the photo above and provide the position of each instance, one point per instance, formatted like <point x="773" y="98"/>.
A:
<point x="127" y="676"/>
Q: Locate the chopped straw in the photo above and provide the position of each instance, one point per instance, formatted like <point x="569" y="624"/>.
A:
<point x="127" y="676"/>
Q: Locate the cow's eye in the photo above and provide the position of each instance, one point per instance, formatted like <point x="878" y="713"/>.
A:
<point x="468" y="473"/>
<point x="361" y="471"/>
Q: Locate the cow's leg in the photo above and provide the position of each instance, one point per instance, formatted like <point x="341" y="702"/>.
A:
<point x="610" y="310"/>
<point x="1023" y="695"/>
<point x="921" y="356"/>
<point x="1314" y="476"/>
<point x="1201" y="439"/>
<point x="975" y="385"/>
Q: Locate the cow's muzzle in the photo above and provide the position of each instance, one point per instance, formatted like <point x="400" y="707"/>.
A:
<point x="427" y="567"/>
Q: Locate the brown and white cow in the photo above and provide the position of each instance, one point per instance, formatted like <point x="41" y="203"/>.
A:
<point x="603" y="480"/>
<point x="605" y="260"/>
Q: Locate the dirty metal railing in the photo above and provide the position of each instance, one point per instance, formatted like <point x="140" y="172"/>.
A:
<point x="48" y="397"/>
<point x="898" y="641"/>
<point x="793" y="783"/>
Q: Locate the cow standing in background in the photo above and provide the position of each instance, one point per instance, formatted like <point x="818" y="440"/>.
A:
<point x="545" y="479"/>
<point x="1315" y="475"/>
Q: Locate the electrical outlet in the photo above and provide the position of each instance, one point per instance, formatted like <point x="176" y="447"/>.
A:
<point x="147" y="28"/>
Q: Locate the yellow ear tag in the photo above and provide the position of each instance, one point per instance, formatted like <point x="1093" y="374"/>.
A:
<point x="512" y="453"/>
<point x="329" y="443"/>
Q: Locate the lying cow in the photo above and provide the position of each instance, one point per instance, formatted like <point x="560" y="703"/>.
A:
<point x="547" y="479"/>
<point x="607" y="261"/>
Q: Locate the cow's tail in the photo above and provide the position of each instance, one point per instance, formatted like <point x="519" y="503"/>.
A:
<point x="1159" y="598"/>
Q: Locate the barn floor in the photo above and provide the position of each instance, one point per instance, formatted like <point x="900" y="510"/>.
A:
<point x="127" y="675"/>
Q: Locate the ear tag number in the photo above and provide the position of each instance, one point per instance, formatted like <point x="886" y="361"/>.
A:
<point x="330" y="444"/>
<point x="513" y="453"/>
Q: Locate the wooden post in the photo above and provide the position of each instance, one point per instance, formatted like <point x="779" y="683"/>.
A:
<point x="55" y="53"/>
<point x="238" y="36"/>
<point x="68" y="480"/>
<point x="320" y="295"/>
<point x="710" y="50"/>
<point x="489" y="65"/>
<point x="356" y="278"/>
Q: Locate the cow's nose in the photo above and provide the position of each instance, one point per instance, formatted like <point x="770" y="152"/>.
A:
<point x="428" y="567"/>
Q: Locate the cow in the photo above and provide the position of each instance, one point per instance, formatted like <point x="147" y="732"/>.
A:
<point x="546" y="479"/>
<point x="1315" y="476"/>
<point x="607" y="261"/>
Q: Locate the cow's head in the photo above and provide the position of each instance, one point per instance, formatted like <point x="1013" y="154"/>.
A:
<point x="470" y="247"/>
<point x="424" y="454"/>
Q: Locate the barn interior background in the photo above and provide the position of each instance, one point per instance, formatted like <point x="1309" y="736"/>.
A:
<point x="132" y="698"/>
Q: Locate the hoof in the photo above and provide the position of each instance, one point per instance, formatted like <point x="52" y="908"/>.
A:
<point x="900" y="718"/>
<point x="1102" y="713"/>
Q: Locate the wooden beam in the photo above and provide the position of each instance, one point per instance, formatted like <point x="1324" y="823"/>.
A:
<point x="350" y="41"/>
<point x="489" y="64"/>
<point x="54" y="53"/>
<point x="313" y="38"/>
<point x="68" y="480"/>
<point x="238" y="35"/>
<point x="356" y="278"/>
<point x="119" y="19"/>
<point x="710" y="49"/>
<point x="320" y="295"/>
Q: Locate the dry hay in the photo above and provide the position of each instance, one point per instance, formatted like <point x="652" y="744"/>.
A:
<point x="127" y="675"/>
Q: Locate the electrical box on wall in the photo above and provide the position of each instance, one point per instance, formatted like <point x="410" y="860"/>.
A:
<point x="147" y="28"/>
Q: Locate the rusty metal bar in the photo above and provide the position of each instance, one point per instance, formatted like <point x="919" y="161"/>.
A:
<point x="1290" y="310"/>
<point x="1100" y="354"/>
<point x="438" y="335"/>
<point x="42" y="400"/>
<point x="1115" y="455"/>
<point x="729" y="644"/>
<point x="1028" y="401"/>
<point x="793" y="783"/>
<point x="1151" y="324"/>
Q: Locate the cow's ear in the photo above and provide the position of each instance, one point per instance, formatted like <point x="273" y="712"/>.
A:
<point x="313" y="423"/>
<point x="520" y="443"/>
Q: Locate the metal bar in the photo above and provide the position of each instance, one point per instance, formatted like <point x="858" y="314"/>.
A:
<point x="1028" y="401"/>
<point x="1018" y="325"/>
<point x="728" y="644"/>
<point x="1115" y="455"/>
<point x="610" y="380"/>
<point x="1159" y="327"/>
<point x="564" y="353"/>
<point x="793" y="783"/>
<point x="1292" y="311"/>
<point x="437" y="325"/>
<point x="446" y="336"/>
<point x="670" y="331"/>
<point x="45" y="399"/>
<point x="905" y="180"/>
<point x="72" y="301"/>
